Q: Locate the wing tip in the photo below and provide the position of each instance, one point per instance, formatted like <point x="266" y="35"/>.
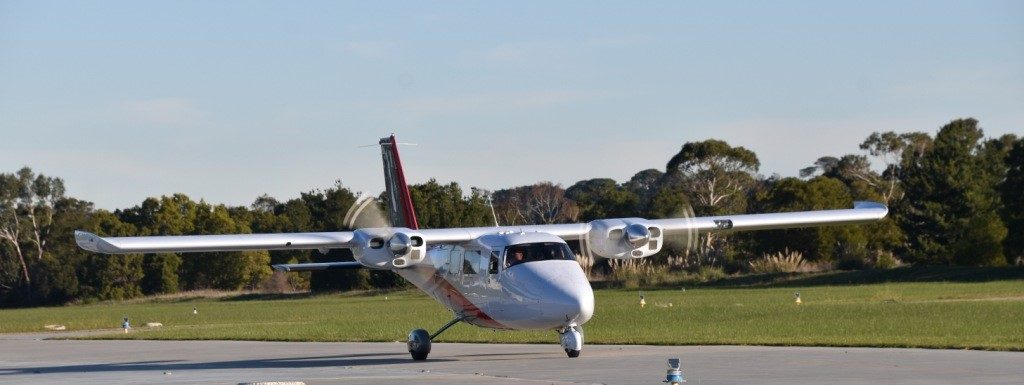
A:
<point x="872" y="205"/>
<point x="87" y="241"/>
<point x="92" y="242"/>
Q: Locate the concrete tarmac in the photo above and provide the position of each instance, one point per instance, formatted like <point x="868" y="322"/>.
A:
<point x="34" y="359"/>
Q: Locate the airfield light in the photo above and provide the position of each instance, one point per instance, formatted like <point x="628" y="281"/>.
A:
<point x="126" y="325"/>
<point x="797" y="296"/>
<point x="674" y="375"/>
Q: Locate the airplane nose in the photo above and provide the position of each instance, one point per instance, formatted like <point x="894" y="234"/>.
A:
<point x="576" y="303"/>
<point x="565" y="294"/>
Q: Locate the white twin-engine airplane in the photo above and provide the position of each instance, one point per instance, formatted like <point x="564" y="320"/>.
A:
<point x="503" y="277"/>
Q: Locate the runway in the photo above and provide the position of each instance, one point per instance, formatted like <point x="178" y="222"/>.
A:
<point x="32" y="359"/>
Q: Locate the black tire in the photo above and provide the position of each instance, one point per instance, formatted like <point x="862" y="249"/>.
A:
<point x="419" y="344"/>
<point x="572" y="353"/>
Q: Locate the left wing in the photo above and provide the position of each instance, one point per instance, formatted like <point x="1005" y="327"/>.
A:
<point x="862" y="212"/>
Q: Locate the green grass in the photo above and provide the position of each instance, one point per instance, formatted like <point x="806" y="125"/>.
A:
<point x="971" y="315"/>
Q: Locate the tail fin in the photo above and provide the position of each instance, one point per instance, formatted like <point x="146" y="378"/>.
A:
<point x="399" y="201"/>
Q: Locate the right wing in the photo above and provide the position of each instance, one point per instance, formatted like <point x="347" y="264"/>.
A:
<point x="317" y="266"/>
<point x="197" y="243"/>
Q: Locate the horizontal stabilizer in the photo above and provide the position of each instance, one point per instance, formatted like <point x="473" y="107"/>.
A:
<point x="318" y="266"/>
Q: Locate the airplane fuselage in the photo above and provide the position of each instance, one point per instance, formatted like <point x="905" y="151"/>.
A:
<point x="545" y="288"/>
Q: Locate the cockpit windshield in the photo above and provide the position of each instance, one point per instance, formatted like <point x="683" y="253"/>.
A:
<point x="541" y="251"/>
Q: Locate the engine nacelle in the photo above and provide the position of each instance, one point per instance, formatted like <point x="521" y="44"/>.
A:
<point x="624" y="238"/>
<point x="384" y="248"/>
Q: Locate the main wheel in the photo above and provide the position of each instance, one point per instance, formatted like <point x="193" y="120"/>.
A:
<point x="572" y="353"/>
<point x="419" y="344"/>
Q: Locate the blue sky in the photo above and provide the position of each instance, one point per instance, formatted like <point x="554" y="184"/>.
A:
<point x="225" y="101"/>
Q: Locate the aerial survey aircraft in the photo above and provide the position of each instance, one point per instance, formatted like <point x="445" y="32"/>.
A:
<point x="502" y="277"/>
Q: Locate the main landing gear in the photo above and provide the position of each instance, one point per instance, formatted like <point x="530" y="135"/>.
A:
<point x="572" y="340"/>
<point x="419" y="339"/>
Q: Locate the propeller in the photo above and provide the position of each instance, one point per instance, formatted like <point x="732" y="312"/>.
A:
<point x="399" y="244"/>
<point x="637" y="236"/>
<point x="684" y="242"/>
<point x="368" y="213"/>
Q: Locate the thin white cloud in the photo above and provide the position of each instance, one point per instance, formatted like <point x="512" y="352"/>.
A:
<point x="618" y="41"/>
<point x="169" y="112"/>
<point x="548" y="52"/>
<point x="369" y="50"/>
<point x="522" y="53"/>
<point x="494" y="102"/>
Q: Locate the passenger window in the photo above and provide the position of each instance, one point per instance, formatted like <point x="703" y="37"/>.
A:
<point x="441" y="264"/>
<point x="492" y="266"/>
<point x="471" y="261"/>
<point x="455" y="259"/>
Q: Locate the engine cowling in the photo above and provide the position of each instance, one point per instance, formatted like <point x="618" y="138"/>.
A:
<point x="627" y="238"/>
<point x="384" y="248"/>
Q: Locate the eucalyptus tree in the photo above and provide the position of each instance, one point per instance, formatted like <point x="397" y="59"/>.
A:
<point x="540" y="203"/>
<point x="715" y="177"/>
<point x="603" y="198"/>
<point x="27" y="207"/>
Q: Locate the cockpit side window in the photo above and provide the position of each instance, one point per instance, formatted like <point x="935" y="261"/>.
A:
<point x="541" y="251"/>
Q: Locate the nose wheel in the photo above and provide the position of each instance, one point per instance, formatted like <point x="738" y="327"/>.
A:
<point x="571" y="339"/>
<point x="419" y="340"/>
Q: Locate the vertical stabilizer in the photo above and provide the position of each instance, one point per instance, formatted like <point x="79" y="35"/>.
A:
<point x="400" y="207"/>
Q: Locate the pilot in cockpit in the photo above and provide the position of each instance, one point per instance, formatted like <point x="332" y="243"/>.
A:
<point x="517" y="257"/>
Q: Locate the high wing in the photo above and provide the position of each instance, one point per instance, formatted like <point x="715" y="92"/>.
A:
<point x="200" y="243"/>
<point x="317" y="266"/>
<point x="406" y="243"/>
<point x="862" y="212"/>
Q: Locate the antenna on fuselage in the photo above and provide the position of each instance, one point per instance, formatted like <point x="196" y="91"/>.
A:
<point x="493" y="214"/>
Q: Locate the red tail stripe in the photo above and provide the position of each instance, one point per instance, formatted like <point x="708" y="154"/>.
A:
<point x="403" y="188"/>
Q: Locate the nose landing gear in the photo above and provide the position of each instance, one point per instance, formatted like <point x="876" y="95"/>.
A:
<point x="572" y="340"/>
<point x="419" y="339"/>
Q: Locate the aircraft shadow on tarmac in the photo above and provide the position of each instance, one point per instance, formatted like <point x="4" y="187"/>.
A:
<point x="178" y="365"/>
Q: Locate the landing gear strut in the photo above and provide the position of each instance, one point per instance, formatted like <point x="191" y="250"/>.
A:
<point x="572" y="340"/>
<point x="419" y="339"/>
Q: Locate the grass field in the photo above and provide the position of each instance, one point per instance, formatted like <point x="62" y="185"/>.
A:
<point x="973" y="315"/>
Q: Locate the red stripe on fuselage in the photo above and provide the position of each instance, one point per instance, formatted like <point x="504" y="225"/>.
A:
<point x="403" y="188"/>
<point x="467" y="306"/>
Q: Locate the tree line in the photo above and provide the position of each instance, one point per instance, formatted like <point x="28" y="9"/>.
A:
<point x="955" y="198"/>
